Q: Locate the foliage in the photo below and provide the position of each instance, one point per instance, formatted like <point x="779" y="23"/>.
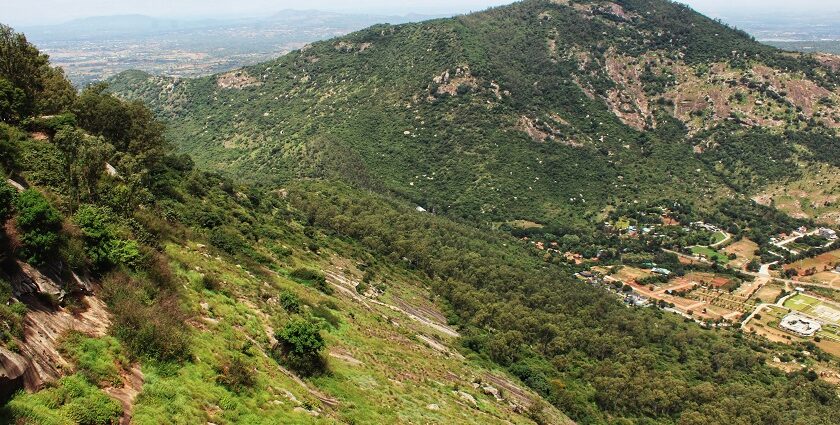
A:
<point x="22" y="65"/>
<point x="290" y="302"/>
<point x="129" y="126"/>
<point x="7" y="201"/>
<point x="11" y="102"/>
<point x="104" y="246"/>
<point x="72" y="400"/>
<point x="149" y="322"/>
<point x="39" y="224"/>
<point x="299" y="345"/>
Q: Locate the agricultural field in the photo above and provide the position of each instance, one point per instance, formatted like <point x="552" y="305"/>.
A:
<point x="628" y="274"/>
<point x="744" y="250"/>
<point x="818" y="269"/>
<point x="768" y="293"/>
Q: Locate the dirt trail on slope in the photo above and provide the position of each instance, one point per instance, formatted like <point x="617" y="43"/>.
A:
<point x="347" y="286"/>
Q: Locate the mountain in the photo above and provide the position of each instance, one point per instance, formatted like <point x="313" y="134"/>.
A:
<point x="486" y="219"/>
<point x="115" y="26"/>
<point x="547" y="111"/>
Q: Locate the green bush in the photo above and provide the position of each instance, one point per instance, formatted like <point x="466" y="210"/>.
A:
<point x="299" y="346"/>
<point x="102" y="245"/>
<point x="227" y="239"/>
<point x="40" y="225"/>
<point x="8" y="194"/>
<point x="313" y="277"/>
<point x="290" y="302"/>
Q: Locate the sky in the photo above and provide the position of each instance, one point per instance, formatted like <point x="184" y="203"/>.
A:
<point x="33" y="12"/>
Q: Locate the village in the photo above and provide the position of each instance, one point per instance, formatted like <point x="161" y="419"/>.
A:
<point x="723" y="281"/>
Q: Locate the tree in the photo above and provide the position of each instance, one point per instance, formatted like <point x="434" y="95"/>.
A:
<point x="129" y="126"/>
<point x="299" y="346"/>
<point x="84" y="158"/>
<point x="7" y="200"/>
<point x="12" y="100"/>
<point x="39" y="224"/>
<point x="57" y="94"/>
<point x="22" y="65"/>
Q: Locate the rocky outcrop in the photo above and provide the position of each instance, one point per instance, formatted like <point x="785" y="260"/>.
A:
<point x="13" y="367"/>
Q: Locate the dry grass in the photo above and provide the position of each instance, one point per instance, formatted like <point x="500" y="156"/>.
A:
<point x="744" y="250"/>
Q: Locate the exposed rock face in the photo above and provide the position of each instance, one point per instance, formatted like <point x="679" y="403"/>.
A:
<point x="31" y="281"/>
<point x="236" y="80"/>
<point x="39" y="361"/>
<point x="43" y="328"/>
<point x="13" y="367"/>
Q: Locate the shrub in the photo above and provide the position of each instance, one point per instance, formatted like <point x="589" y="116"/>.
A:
<point x="149" y="327"/>
<point x="8" y="194"/>
<point x="313" y="277"/>
<point x="40" y="224"/>
<point x="102" y="245"/>
<point x="290" y="302"/>
<point x="299" y="346"/>
<point x="227" y="239"/>
<point x="236" y="374"/>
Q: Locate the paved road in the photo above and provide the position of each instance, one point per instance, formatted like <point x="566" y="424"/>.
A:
<point x="725" y="240"/>
<point x="758" y="308"/>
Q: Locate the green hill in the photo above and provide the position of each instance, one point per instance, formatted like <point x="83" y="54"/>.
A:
<point x="143" y="283"/>
<point x="548" y="111"/>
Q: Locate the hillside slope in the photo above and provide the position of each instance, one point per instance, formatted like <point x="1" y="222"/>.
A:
<point x="318" y="302"/>
<point x="550" y="111"/>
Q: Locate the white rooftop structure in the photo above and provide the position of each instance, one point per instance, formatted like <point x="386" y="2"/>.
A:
<point x="800" y="325"/>
<point x="828" y="233"/>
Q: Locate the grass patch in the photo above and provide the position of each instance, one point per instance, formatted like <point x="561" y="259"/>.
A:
<point x="711" y="254"/>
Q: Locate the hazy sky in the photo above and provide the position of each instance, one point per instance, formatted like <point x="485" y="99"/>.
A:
<point x="29" y="12"/>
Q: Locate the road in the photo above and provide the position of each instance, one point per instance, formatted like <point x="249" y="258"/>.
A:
<point x="725" y="240"/>
<point x="761" y="306"/>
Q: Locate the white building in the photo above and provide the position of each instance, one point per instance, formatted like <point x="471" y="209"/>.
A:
<point x="828" y="233"/>
<point x="800" y="325"/>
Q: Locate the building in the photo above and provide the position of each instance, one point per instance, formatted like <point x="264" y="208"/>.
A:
<point x="659" y="270"/>
<point x="800" y="325"/>
<point x="828" y="233"/>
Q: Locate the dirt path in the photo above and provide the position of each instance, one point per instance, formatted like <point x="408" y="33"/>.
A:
<point x="344" y="285"/>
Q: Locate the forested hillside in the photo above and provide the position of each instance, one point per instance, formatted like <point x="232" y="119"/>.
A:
<point x="548" y="111"/>
<point x="251" y="250"/>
